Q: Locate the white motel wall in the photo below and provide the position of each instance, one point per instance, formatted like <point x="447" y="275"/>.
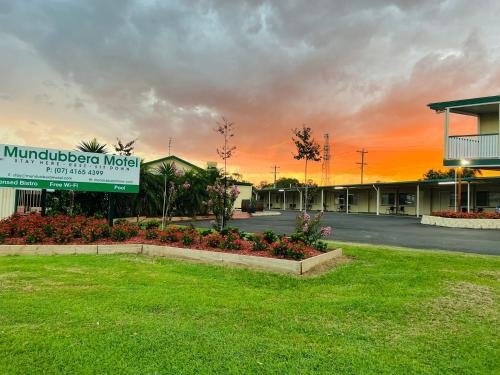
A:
<point x="405" y="198"/>
<point x="7" y="202"/>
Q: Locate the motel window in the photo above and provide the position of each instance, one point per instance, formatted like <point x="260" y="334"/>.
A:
<point x="406" y="199"/>
<point x="464" y="199"/>
<point x="482" y="199"/>
<point x="487" y="199"/>
<point x="388" y="199"/>
<point x="353" y="199"/>
<point x="278" y="200"/>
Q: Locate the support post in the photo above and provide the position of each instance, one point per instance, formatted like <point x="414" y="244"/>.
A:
<point x="455" y="190"/>
<point x="468" y="196"/>
<point x="322" y="201"/>
<point x="111" y="208"/>
<point x="378" y="199"/>
<point x="269" y="201"/>
<point x="347" y="201"/>
<point x="300" y="198"/>
<point x="43" y="202"/>
<point x="446" y="124"/>
<point x="284" y="200"/>
<point x="418" y="200"/>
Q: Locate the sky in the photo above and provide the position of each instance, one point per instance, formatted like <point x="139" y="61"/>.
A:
<point x="361" y="71"/>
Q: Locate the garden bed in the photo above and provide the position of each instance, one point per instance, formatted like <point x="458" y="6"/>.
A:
<point x="264" y="263"/>
<point x="80" y="232"/>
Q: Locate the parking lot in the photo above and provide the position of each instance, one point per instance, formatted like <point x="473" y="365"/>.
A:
<point x="384" y="230"/>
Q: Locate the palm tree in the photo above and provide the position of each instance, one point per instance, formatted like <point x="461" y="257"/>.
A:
<point x="148" y="201"/>
<point x="92" y="146"/>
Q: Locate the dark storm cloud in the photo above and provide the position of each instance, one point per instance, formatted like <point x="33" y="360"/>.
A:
<point x="172" y="67"/>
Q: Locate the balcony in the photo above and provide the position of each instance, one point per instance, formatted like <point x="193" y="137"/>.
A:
<point x="472" y="147"/>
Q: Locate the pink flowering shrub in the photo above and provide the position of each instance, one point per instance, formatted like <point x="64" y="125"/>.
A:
<point x="308" y="229"/>
<point x="221" y="202"/>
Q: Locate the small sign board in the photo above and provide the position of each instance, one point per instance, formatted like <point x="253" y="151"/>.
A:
<point x="42" y="168"/>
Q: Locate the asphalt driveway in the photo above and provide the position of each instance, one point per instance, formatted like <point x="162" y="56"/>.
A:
<point x="383" y="230"/>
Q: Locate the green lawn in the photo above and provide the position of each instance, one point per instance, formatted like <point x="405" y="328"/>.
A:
<point x="387" y="311"/>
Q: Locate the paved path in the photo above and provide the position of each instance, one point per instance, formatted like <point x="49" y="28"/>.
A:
<point x="384" y="230"/>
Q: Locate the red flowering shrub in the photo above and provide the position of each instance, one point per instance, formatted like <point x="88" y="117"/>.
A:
<point x="151" y="234"/>
<point x="34" y="235"/>
<point x="95" y="231"/>
<point x="214" y="239"/>
<point x="171" y="234"/>
<point x="63" y="234"/>
<point x="4" y="231"/>
<point x="467" y="215"/>
<point x="189" y="237"/>
<point x="122" y="232"/>
<point x="259" y="243"/>
<point x="287" y="249"/>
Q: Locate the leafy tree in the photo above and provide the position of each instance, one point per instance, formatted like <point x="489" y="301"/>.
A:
<point x="283" y="183"/>
<point x="432" y="174"/>
<point x="92" y="146"/>
<point x="307" y="149"/>
<point x="126" y="149"/>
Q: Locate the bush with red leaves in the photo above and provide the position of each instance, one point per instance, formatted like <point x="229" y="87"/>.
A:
<point x="467" y="215"/>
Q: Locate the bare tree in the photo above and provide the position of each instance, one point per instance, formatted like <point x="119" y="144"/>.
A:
<point x="226" y="129"/>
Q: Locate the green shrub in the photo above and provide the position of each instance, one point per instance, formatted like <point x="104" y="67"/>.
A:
<point x="297" y="237"/>
<point x="151" y="224"/>
<point x="269" y="236"/>
<point x="258" y="243"/>
<point x="119" y="233"/>
<point x="288" y="249"/>
<point x="321" y="246"/>
<point x="121" y="221"/>
<point x="206" y="232"/>
<point x="34" y="235"/>
<point x="189" y="237"/>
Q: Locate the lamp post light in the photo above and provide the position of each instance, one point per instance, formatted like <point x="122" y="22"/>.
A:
<point x="463" y="163"/>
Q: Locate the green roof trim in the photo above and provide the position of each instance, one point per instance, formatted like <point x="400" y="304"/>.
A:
<point x="439" y="106"/>
<point x="395" y="183"/>
<point x="173" y="158"/>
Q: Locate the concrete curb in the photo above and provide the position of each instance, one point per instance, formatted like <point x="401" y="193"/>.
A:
<point x="460" y="223"/>
<point x="293" y="267"/>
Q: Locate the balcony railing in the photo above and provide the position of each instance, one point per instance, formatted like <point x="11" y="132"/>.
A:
<point x="483" y="146"/>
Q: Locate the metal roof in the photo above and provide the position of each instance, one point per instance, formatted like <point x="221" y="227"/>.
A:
<point x="174" y="159"/>
<point x="439" y="106"/>
<point x="396" y="183"/>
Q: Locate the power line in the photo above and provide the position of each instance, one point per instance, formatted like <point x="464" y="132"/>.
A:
<point x="275" y="173"/>
<point x="362" y="164"/>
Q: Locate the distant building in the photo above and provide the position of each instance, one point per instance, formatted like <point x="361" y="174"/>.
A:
<point x="414" y="198"/>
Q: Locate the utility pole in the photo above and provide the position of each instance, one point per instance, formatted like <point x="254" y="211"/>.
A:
<point x="170" y="145"/>
<point x="362" y="164"/>
<point x="275" y="173"/>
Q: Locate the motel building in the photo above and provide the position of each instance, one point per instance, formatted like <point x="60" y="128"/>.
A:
<point x="413" y="198"/>
<point x="478" y="150"/>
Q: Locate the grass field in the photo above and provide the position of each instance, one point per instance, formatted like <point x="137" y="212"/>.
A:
<point x="386" y="311"/>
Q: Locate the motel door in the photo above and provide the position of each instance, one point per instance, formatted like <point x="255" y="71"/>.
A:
<point x="444" y="201"/>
